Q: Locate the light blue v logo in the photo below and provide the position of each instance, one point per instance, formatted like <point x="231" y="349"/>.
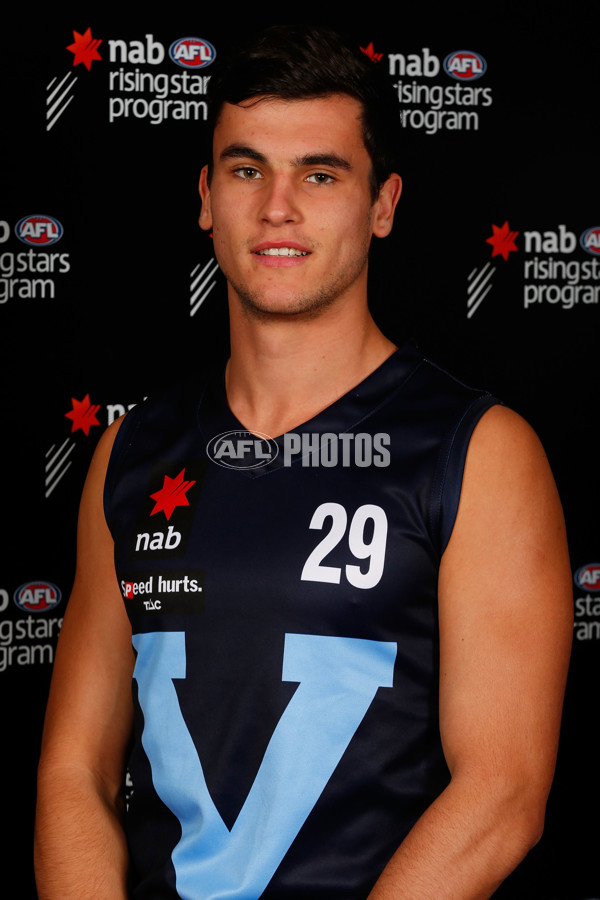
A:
<point x="338" y="680"/>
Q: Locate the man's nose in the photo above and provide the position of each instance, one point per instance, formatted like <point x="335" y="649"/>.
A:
<point x="280" y="201"/>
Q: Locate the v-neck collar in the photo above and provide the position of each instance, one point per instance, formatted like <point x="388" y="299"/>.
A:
<point x="342" y="416"/>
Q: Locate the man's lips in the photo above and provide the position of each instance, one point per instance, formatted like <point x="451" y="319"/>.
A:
<point x="280" y="253"/>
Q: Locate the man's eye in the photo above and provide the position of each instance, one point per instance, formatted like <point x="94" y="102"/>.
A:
<point x="247" y="173"/>
<point x="320" y="178"/>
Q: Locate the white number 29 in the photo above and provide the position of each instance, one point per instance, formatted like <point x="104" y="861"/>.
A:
<point x="373" y="549"/>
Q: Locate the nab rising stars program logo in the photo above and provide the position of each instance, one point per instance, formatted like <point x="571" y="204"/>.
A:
<point x="142" y="94"/>
<point x="552" y="275"/>
<point x="32" y="273"/>
<point x="427" y="102"/>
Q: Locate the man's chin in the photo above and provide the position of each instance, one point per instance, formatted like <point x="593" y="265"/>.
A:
<point x="266" y="308"/>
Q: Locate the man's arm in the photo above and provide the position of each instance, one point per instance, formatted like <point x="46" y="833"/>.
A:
<point x="80" y="847"/>
<point x="505" y="607"/>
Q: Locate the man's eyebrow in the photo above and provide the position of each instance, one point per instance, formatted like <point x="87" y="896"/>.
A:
<point x="242" y="151"/>
<point x="323" y="159"/>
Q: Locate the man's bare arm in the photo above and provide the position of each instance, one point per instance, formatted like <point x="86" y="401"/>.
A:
<point x="505" y="606"/>
<point x="80" y="847"/>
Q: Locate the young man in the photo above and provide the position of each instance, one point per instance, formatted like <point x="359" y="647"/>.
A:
<point x="336" y="690"/>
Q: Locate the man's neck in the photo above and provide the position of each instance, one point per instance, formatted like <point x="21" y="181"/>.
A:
<point x="282" y="372"/>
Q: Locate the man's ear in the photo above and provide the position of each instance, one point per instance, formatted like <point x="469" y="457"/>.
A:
<point x="205" y="220"/>
<point x="385" y="205"/>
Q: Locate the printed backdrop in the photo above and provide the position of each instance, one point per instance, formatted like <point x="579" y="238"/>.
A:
<point x="108" y="289"/>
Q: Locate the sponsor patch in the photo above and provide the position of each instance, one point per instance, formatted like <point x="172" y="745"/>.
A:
<point x="179" y="591"/>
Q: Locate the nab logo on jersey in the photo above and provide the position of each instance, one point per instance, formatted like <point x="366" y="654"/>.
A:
<point x="172" y="498"/>
<point x="590" y="240"/>
<point x="464" y="65"/>
<point x="158" y="540"/>
<point x="37" y="596"/>
<point x="39" y="230"/>
<point x="192" y="53"/>
<point x="588" y="577"/>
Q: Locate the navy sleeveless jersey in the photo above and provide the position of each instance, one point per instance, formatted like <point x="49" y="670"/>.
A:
<point x="283" y="603"/>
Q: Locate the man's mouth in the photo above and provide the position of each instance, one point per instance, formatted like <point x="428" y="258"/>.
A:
<point x="281" y="251"/>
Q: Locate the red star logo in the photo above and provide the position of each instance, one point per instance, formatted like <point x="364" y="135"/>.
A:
<point x="369" y="51"/>
<point x="503" y="241"/>
<point x="171" y="495"/>
<point x="85" y="48"/>
<point x="83" y="414"/>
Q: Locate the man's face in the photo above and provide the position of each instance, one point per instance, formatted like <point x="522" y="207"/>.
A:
<point x="289" y="203"/>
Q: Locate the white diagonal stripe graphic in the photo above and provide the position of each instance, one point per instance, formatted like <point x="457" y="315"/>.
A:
<point x="478" y="285"/>
<point x="481" y="299"/>
<point x="56" y="102"/>
<point x="478" y="288"/>
<point x="57" y="465"/>
<point x="211" y="264"/>
<point x="480" y="275"/>
<point x="60" y="450"/>
<point x="59" y="85"/>
<point x="201" y="300"/>
<point x="58" y="115"/>
<point x="200" y="280"/>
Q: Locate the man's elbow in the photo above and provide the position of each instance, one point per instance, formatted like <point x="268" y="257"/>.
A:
<point x="524" y="816"/>
<point x="511" y="808"/>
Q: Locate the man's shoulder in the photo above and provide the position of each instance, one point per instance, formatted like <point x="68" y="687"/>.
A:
<point x="151" y="424"/>
<point x="172" y="404"/>
<point x="440" y="379"/>
<point x="422" y="384"/>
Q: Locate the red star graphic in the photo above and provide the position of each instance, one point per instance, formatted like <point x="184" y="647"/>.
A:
<point x="85" y="48"/>
<point x="503" y="241"/>
<point x="369" y="51"/>
<point x="171" y="494"/>
<point x="83" y="414"/>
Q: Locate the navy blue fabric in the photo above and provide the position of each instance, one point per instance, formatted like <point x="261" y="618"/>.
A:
<point x="245" y="538"/>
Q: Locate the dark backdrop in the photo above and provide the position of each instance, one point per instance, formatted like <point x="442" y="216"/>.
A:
<point x="108" y="289"/>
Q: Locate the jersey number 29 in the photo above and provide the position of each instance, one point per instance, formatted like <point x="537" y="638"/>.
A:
<point x="367" y="519"/>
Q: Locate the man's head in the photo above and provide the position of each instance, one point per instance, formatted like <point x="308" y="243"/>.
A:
<point x="302" y="173"/>
<point x="301" y="62"/>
